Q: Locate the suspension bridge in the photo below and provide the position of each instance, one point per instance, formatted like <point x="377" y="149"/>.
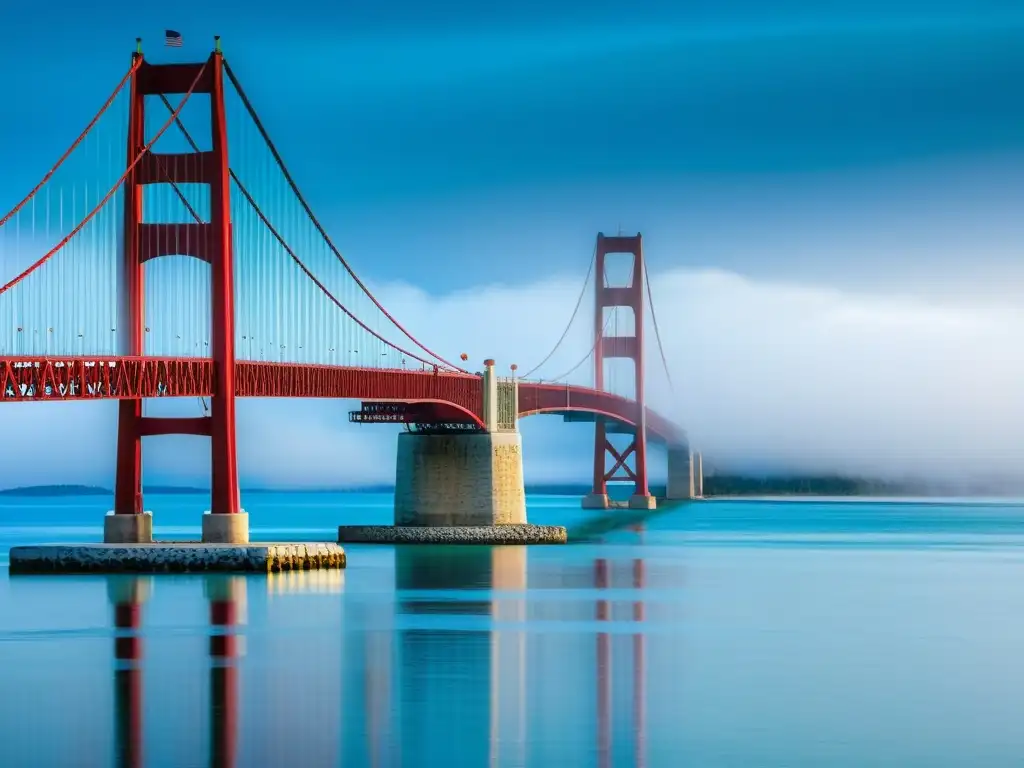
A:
<point x="267" y="306"/>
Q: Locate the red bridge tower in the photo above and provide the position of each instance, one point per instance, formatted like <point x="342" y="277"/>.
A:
<point x="628" y="346"/>
<point x="209" y="241"/>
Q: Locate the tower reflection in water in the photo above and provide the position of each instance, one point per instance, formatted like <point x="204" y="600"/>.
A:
<point x="463" y="684"/>
<point x="226" y="598"/>
<point x="444" y="674"/>
<point x="464" y="665"/>
<point x="606" y="667"/>
<point x="127" y="595"/>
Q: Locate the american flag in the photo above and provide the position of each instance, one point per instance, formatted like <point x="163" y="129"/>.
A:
<point x="173" y="38"/>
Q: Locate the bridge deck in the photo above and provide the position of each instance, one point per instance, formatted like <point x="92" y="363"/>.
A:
<point x="37" y="379"/>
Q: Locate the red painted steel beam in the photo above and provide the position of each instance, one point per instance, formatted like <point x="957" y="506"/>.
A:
<point x="179" y="168"/>
<point x="170" y="239"/>
<point x="225" y="496"/>
<point x="123" y="378"/>
<point x="154" y="79"/>
<point x="620" y="462"/>
<point x="295" y="380"/>
<point x="40" y="379"/>
<point x="131" y="304"/>
<point x="629" y="346"/>
<point x="167" y="425"/>
<point x="554" y="399"/>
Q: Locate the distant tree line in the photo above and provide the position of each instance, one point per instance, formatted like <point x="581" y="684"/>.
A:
<point x="794" y="485"/>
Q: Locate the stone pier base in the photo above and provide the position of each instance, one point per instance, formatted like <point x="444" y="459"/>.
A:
<point x="595" y="501"/>
<point x="128" y="529"/>
<point x="174" y="557"/>
<point x="452" y="534"/>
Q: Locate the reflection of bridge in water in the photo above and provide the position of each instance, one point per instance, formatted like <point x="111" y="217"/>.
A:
<point x="446" y="672"/>
<point x="444" y="666"/>
<point x="226" y="598"/>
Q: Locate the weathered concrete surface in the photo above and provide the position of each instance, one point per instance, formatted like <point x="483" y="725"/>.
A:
<point x="174" y="557"/>
<point x="471" y="479"/>
<point x="128" y="529"/>
<point x="452" y="534"/>
<point x="595" y="501"/>
<point x="226" y="529"/>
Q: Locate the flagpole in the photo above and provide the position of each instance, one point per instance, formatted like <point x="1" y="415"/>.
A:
<point x="138" y="45"/>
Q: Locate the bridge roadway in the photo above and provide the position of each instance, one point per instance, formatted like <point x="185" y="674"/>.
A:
<point x="433" y="395"/>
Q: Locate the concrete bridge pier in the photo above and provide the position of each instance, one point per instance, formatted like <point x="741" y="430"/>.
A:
<point x="680" y="483"/>
<point x="465" y="478"/>
<point x="685" y="474"/>
<point x="460" y="479"/>
<point x="457" y="485"/>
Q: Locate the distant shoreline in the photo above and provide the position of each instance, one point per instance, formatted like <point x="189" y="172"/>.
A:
<point x="54" y="491"/>
<point x="715" y="486"/>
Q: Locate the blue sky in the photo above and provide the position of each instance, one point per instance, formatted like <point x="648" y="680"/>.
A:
<point x="738" y="132"/>
<point x="869" y="151"/>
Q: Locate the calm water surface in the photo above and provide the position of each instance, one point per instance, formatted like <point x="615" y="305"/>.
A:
<point x="721" y="634"/>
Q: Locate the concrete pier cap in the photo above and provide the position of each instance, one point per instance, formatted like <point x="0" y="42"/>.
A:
<point x="643" y="501"/>
<point x="232" y="528"/>
<point x="128" y="529"/>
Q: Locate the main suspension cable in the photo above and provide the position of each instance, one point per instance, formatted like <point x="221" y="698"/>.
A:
<point x="316" y="222"/>
<point x="117" y="184"/>
<point x="81" y="137"/>
<point x="589" y="354"/>
<point x="281" y="241"/>
<point x="579" y="302"/>
<point x="277" y="236"/>
<point x="657" y="333"/>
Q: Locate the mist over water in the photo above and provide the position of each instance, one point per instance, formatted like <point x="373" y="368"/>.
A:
<point x="768" y="377"/>
<point x="779" y="376"/>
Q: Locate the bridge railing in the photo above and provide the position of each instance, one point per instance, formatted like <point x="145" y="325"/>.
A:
<point x="508" y="404"/>
<point x="500" y="400"/>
